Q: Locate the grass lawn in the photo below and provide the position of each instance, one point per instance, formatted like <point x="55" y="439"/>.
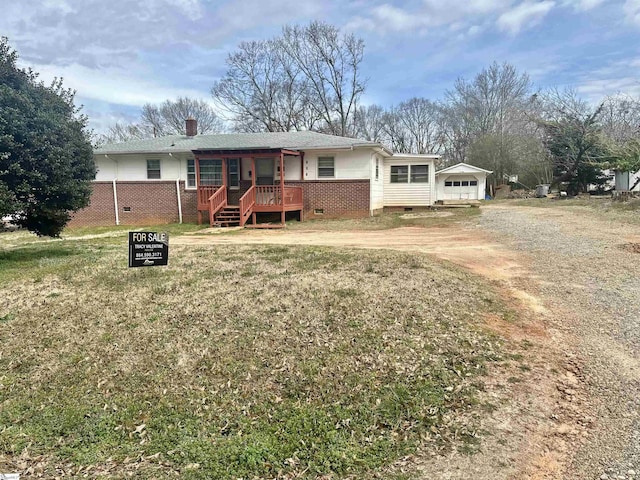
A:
<point x="236" y="362"/>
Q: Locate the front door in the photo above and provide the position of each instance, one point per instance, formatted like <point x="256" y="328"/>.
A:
<point x="264" y="171"/>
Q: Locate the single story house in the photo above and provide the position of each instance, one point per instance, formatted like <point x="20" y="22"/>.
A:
<point x="233" y="179"/>
<point x="461" y="182"/>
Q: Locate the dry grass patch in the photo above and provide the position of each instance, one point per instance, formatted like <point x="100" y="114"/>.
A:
<point x="236" y="362"/>
<point x="605" y="207"/>
<point x="415" y="218"/>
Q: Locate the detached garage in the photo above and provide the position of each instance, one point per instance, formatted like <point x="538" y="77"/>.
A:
<point x="461" y="182"/>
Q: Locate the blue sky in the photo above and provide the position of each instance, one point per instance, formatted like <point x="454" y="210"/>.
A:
<point x="120" y="54"/>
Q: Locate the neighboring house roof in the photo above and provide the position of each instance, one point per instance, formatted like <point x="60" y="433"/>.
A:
<point x="463" y="168"/>
<point x="238" y="141"/>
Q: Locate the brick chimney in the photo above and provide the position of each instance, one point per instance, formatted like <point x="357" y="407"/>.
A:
<point x="192" y="127"/>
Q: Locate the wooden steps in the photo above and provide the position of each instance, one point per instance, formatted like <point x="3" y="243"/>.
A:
<point x="229" y="216"/>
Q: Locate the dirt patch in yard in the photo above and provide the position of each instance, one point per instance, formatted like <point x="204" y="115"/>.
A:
<point x="530" y="435"/>
<point x="631" y="247"/>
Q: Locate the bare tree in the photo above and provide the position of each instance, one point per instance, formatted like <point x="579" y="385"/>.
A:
<point x="122" y="133"/>
<point x="420" y="119"/>
<point x="485" y="119"/>
<point x="331" y="64"/>
<point x="620" y="118"/>
<point x="306" y="79"/>
<point x="264" y="90"/>
<point x="169" y="117"/>
<point x="370" y="123"/>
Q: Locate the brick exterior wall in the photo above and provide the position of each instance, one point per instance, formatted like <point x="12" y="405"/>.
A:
<point x="337" y="198"/>
<point x="100" y="210"/>
<point x="156" y="202"/>
<point x="150" y="203"/>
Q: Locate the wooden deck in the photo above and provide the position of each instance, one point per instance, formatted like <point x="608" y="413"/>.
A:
<point x="212" y="199"/>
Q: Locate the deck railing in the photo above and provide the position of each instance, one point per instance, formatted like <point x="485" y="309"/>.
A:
<point x="270" y="195"/>
<point x="293" y="195"/>
<point x="204" y="193"/>
<point x="247" y="202"/>
<point x="217" y="201"/>
<point x="267" y="195"/>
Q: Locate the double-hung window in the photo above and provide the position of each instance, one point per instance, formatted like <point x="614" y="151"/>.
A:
<point x="399" y="174"/>
<point x="419" y="173"/>
<point x="326" y="167"/>
<point x="153" y="169"/>
<point x="191" y="173"/>
<point x="210" y="172"/>
<point x="233" y="165"/>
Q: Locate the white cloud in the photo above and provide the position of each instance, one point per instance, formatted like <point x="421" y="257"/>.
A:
<point x="616" y="76"/>
<point x="397" y="19"/>
<point x="116" y="86"/>
<point x="582" y="5"/>
<point x="191" y="8"/>
<point x="632" y="11"/>
<point x="525" y="15"/>
<point x="430" y="14"/>
<point x="596" y="90"/>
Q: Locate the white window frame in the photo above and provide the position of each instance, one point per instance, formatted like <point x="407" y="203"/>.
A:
<point x="391" y="175"/>
<point x="195" y="176"/>
<point x="159" y="169"/>
<point x="333" y="167"/>
<point x="411" y="180"/>
<point x="233" y="187"/>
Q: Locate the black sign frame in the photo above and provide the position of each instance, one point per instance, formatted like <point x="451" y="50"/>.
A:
<point x="148" y="249"/>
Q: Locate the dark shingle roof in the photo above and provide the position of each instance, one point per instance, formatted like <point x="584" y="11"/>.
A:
<point x="236" y="141"/>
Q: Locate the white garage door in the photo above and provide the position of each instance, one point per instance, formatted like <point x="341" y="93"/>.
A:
<point x="461" y="188"/>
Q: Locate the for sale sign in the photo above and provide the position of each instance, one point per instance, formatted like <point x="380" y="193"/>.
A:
<point x="148" y="249"/>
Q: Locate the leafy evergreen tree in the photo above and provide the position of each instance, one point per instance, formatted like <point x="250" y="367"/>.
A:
<point x="46" y="158"/>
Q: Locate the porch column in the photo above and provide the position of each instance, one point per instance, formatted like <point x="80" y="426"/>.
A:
<point x="301" y="166"/>
<point x="224" y="171"/>
<point x="282" y="215"/>
<point x="253" y="171"/>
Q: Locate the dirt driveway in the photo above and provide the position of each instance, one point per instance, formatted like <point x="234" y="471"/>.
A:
<point x="568" y="271"/>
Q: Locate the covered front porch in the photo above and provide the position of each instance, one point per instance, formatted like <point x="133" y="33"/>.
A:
<point x="226" y="200"/>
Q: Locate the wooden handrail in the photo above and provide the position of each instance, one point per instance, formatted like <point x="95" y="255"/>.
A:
<point x="217" y="201"/>
<point x="204" y="193"/>
<point x="247" y="201"/>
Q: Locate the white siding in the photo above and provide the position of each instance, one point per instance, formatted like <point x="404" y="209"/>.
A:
<point x="134" y="167"/>
<point x="348" y="164"/>
<point x="408" y="194"/>
<point x="292" y="168"/>
<point x="106" y="168"/>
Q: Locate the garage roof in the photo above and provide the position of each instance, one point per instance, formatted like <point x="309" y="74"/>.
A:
<point x="463" y="168"/>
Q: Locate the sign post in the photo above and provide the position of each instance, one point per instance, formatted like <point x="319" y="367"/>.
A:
<point x="148" y="249"/>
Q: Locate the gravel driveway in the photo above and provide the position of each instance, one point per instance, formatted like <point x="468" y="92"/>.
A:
<point x="587" y="275"/>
